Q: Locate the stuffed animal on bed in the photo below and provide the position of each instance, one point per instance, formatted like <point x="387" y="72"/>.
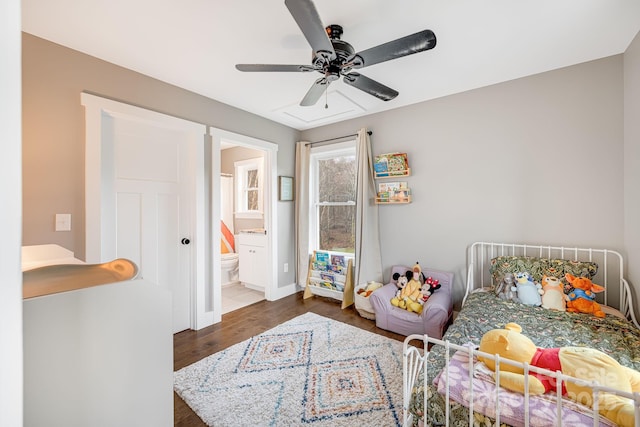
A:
<point x="527" y="291"/>
<point x="553" y="297"/>
<point x="503" y="290"/>
<point x="411" y="293"/>
<point x="581" y="299"/>
<point x="579" y="362"/>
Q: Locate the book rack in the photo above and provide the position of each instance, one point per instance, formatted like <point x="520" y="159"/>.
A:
<point x="393" y="200"/>
<point x="330" y="276"/>
<point x="389" y="166"/>
<point x="395" y="174"/>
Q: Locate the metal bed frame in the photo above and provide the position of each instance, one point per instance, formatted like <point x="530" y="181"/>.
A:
<point x="610" y="272"/>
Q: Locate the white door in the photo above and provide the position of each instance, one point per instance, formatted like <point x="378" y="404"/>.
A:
<point x="144" y="196"/>
<point x="151" y="170"/>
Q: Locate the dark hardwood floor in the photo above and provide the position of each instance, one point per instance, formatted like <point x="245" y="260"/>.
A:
<point x="242" y="324"/>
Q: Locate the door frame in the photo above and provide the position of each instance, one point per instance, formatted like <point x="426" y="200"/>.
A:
<point x="100" y="202"/>
<point x="270" y="190"/>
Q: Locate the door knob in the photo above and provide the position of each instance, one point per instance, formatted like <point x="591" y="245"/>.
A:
<point x="185" y="241"/>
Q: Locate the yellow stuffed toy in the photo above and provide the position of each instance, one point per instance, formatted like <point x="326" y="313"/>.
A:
<point x="578" y="362"/>
<point x="408" y="296"/>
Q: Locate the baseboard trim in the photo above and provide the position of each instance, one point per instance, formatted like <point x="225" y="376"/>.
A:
<point x="283" y="291"/>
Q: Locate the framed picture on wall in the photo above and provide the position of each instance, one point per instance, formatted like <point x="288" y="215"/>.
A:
<point x="285" y="188"/>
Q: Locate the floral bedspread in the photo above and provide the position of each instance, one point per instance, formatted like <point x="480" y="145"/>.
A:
<point x="483" y="311"/>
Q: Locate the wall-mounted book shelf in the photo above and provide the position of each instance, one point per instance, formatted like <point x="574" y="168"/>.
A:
<point x="392" y="166"/>
<point x="393" y="201"/>
<point x="330" y="275"/>
<point x="393" y="192"/>
<point x="396" y="174"/>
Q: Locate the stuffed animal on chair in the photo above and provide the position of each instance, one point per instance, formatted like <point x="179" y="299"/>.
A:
<point x="584" y="363"/>
<point x="410" y="294"/>
<point x="582" y="298"/>
<point x="433" y="284"/>
<point x="428" y="288"/>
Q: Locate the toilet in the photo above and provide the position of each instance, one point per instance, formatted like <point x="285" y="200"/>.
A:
<point x="229" y="268"/>
<point x="229" y="258"/>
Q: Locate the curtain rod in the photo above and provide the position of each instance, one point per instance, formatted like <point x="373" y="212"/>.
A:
<point x="338" y="137"/>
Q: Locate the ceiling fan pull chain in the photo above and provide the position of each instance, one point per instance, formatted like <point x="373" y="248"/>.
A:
<point x="326" y="101"/>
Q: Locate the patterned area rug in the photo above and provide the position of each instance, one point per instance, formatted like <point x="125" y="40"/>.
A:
<point x="310" y="370"/>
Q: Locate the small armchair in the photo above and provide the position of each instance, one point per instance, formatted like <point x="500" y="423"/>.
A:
<point x="435" y="313"/>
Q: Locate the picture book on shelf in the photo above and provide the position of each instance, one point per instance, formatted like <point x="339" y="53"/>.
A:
<point x="392" y="186"/>
<point x="380" y="166"/>
<point x="319" y="266"/>
<point x="340" y="269"/>
<point x="391" y="164"/>
<point x="338" y="260"/>
<point x="327" y="277"/>
<point x="393" y="191"/>
<point x="322" y="257"/>
<point x="327" y="280"/>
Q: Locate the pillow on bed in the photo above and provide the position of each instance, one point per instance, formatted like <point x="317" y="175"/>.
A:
<point x="513" y="264"/>
<point x="538" y="267"/>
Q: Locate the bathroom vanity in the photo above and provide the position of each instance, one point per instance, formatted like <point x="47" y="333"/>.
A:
<point x="252" y="252"/>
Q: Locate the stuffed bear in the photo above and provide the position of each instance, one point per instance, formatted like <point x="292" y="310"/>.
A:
<point x="553" y="297"/>
<point x="579" y="362"/>
<point x="408" y="296"/>
<point x="581" y="299"/>
<point x="527" y="292"/>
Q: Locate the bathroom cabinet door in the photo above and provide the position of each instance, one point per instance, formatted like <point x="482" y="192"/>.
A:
<point x="252" y="258"/>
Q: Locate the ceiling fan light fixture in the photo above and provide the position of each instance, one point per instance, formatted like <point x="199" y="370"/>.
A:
<point x="334" y="31"/>
<point x="334" y="57"/>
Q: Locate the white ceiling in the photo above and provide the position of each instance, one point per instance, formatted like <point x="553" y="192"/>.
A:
<point x="194" y="44"/>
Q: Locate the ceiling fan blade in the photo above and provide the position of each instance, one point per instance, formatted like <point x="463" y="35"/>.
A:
<point x="306" y="16"/>
<point x="274" y="67"/>
<point x="370" y="86"/>
<point x="418" y="42"/>
<point x="315" y="92"/>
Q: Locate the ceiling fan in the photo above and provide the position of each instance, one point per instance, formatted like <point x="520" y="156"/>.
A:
<point x="333" y="57"/>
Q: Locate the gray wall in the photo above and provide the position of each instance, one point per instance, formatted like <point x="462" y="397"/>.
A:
<point x="53" y="135"/>
<point x="632" y="162"/>
<point x="535" y="160"/>
<point x="547" y="158"/>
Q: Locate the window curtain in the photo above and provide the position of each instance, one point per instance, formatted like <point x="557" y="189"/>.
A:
<point x="368" y="260"/>
<point x="302" y="212"/>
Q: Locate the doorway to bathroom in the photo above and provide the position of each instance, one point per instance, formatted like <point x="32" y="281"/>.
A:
<point x="243" y="182"/>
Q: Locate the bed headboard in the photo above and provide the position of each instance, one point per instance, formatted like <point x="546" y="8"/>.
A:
<point x="610" y="272"/>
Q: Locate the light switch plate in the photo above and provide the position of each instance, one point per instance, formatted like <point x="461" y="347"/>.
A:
<point x="63" y="222"/>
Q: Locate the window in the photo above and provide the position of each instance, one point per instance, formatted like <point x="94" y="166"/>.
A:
<point x="249" y="188"/>
<point x="333" y="194"/>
